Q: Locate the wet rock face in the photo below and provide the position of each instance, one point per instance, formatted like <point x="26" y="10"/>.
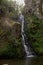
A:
<point x="16" y="30"/>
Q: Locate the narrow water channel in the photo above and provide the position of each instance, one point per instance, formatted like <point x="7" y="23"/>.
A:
<point x="26" y="61"/>
<point x="27" y="48"/>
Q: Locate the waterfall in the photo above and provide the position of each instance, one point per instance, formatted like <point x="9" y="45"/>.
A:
<point x="26" y="47"/>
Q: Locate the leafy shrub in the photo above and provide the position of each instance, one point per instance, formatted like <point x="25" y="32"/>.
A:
<point x="34" y="33"/>
<point x="10" y="46"/>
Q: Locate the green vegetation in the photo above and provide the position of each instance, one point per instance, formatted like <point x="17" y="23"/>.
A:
<point x="8" y="9"/>
<point x="10" y="42"/>
<point x="34" y="32"/>
<point x="10" y="32"/>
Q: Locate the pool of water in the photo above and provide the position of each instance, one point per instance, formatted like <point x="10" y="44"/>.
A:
<point x="26" y="61"/>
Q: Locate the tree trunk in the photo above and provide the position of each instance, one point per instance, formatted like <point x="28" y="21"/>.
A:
<point x="40" y="7"/>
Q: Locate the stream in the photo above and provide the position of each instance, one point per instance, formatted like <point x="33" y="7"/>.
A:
<point x="26" y="61"/>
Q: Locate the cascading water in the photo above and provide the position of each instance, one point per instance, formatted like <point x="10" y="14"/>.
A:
<point x="26" y="47"/>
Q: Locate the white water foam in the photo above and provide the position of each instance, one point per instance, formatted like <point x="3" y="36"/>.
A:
<point x="28" y="51"/>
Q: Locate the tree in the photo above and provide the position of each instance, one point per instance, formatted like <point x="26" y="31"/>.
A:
<point x="40" y="6"/>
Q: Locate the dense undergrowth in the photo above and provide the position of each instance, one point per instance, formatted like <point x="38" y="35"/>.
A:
<point x="34" y="32"/>
<point x="10" y="34"/>
<point x="10" y="44"/>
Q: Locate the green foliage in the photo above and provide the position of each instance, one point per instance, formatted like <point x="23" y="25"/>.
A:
<point x="35" y="33"/>
<point x="3" y="7"/>
<point x="9" y="9"/>
<point x="10" y="46"/>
